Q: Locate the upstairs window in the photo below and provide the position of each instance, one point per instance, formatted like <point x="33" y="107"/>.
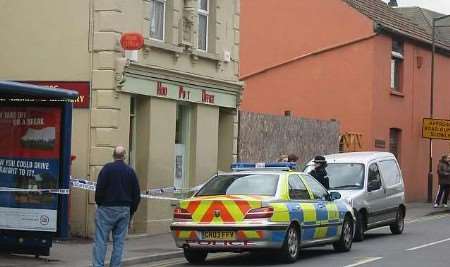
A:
<point x="203" y="14"/>
<point x="157" y="19"/>
<point x="396" y="65"/>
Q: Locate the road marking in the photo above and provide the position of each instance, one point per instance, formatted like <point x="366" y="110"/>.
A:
<point x="429" y="244"/>
<point x="364" y="261"/>
<point x="428" y="218"/>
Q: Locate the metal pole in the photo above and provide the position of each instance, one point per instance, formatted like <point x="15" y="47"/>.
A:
<point x="430" y="166"/>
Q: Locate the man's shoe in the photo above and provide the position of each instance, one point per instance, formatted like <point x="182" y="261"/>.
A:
<point x="436" y="205"/>
<point x="445" y="205"/>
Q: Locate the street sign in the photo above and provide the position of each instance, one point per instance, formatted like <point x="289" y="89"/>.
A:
<point x="436" y="129"/>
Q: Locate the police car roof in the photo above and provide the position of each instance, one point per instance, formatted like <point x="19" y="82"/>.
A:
<point x="356" y="157"/>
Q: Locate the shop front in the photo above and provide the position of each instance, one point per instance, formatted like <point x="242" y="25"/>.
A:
<point x="182" y="131"/>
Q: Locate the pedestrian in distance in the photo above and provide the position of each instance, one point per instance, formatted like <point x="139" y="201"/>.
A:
<point x="319" y="172"/>
<point x="283" y="158"/>
<point x="444" y="181"/>
<point x="117" y="196"/>
<point x="292" y="158"/>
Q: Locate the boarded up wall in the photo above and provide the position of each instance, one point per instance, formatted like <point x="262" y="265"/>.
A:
<point x="263" y="138"/>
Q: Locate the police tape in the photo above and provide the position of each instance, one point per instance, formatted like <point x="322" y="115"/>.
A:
<point x="90" y="186"/>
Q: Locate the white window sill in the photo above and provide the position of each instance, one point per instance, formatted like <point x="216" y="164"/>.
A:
<point x="150" y="44"/>
<point x="202" y="54"/>
<point x="397" y="93"/>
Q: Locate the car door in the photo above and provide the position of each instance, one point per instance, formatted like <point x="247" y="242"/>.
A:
<point x="327" y="214"/>
<point x="391" y="176"/>
<point x="376" y="196"/>
<point x="301" y="208"/>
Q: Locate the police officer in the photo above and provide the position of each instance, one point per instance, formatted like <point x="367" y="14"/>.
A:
<point x="319" y="171"/>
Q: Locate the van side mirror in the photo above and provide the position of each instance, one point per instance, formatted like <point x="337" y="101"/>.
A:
<point x="335" y="195"/>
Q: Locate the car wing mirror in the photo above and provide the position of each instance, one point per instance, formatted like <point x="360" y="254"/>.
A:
<point x="335" y="195"/>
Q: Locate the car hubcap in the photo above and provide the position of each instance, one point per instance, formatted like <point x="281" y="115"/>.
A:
<point x="347" y="234"/>
<point x="292" y="242"/>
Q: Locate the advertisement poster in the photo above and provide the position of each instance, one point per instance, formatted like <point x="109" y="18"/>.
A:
<point x="29" y="159"/>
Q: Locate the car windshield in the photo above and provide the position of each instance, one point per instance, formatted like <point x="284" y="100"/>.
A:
<point x="346" y="176"/>
<point x="241" y="184"/>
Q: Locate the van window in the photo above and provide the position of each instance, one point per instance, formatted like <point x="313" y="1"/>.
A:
<point x="374" y="178"/>
<point x="390" y="172"/>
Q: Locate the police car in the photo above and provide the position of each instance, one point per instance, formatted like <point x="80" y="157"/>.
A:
<point x="261" y="206"/>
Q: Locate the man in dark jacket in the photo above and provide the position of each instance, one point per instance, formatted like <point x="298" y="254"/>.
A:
<point x="319" y="171"/>
<point x="444" y="181"/>
<point x="117" y="196"/>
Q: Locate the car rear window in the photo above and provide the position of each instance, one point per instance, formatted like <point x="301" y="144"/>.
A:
<point x="241" y="184"/>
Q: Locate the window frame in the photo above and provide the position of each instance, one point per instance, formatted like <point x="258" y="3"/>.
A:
<point x="310" y="188"/>
<point x="206" y="13"/>
<point x="302" y="183"/>
<point x="164" y="2"/>
<point x="397" y="58"/>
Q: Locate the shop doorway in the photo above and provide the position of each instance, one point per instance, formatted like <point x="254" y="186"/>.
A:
<point x="182" y="145"/>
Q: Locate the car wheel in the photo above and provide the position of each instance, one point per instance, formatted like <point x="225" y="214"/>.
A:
<point x="360" y="227"/>
<point x="399" y="225"/>
<point x="345" y="242"/>
<point x="195" y="256"/>
<point x="291" y="246"/>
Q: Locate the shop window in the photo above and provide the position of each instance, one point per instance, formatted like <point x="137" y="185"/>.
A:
<point x="157" y="19"/>
<point x="203" y="16"/>
<point x="132" y="135"/>
<point x="396" y="65"/>
<point x="394" y="142"/>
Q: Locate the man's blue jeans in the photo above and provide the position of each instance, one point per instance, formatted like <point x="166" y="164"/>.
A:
<point x="109" y="219"/>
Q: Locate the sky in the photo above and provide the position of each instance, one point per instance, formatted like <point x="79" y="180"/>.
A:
<point x="441" y="6"/>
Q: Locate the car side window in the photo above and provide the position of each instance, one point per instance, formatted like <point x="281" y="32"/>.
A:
<point x="319" y="192"/>
<point x="374" y="178"/>
<point x="297" y="190"/>
<point x="391" y="173"/>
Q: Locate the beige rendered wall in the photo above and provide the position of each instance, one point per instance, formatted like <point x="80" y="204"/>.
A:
<point x="227" y="132"/>
<point x="48" y="40"/>
<point x="204" y="140"/>
<point x="155" y="152"/>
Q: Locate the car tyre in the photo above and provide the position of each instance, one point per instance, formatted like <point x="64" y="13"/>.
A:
<point x="195" y="256"/>
<point x="360" y="228"/>
<point x="291" y="246"/>
<point x="399" y="225"/>
<point x="345" y="242"/>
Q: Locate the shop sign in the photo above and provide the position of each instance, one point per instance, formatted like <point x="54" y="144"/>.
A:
<point x="179" y="92"/>
<point x="30" y="146"/>
<point x="83" y="89"/>
<point x="436" y="129"/>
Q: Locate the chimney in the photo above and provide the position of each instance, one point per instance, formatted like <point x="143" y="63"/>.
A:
<point x="393" y="3"/>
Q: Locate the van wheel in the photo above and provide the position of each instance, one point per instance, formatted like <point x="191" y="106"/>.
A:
<point x="399" y="225"/>
<point x="291" y="246"/>
<point x="345" y="242"/>
<point x="360" y="227"/>
<point x="195" y="256"/>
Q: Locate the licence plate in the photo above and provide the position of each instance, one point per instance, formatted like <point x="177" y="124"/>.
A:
<point x="214" y="235"/>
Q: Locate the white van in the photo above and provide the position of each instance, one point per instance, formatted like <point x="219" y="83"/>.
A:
<point x="372" y="183"/>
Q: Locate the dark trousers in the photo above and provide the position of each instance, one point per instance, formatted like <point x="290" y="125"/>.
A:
<point x="442" y="195"/>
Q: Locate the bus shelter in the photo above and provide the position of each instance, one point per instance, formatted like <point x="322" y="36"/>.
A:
<point x="35" y="157"/>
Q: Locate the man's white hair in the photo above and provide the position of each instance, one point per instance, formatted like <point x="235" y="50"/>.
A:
<point x="119" y="152"/>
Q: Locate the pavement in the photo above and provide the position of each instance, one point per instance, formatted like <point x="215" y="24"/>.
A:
<point x="141" y="250"/>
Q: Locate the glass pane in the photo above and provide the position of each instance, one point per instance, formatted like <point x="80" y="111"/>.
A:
<point x="297" y="190"/>
<point x="345" y="175"/>
<point x="246" y="184"/>
<point x="317" y="189"/>
<point x="391" y="174"/>
<point x="202" y="31"/>
<point x="204" y="5"/>
<point x="157" y="20"/>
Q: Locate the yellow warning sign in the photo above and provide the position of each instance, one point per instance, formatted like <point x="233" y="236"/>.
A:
<point x="436" y="129"/>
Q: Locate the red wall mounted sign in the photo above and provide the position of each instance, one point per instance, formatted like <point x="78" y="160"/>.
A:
<point x="83" y="89"/>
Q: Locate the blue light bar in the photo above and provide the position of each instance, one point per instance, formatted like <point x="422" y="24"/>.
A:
<point x="281" y="166"/>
